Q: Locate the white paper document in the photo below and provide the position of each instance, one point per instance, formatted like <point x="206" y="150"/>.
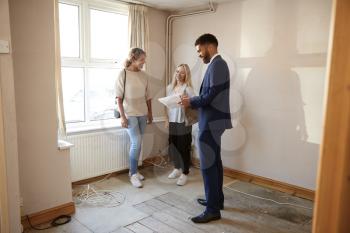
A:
<point x="171" y="101"/>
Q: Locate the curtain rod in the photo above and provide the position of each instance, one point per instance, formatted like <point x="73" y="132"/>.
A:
<point x="134" y="2"/>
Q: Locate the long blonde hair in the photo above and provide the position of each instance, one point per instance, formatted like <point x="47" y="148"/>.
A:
<point x="134" y="54"/>
<point x="188" y="79"/>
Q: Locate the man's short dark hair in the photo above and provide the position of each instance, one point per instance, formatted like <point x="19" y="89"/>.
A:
<point x="206" y="39"/>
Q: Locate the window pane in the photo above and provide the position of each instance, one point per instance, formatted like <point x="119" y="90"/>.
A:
<point x="69" y="30"/>
<point x="73" y="94"/>
<point x="101" y="94"/>
<point x="109" y="35"/>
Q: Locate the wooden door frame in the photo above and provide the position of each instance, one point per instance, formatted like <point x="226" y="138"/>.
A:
<point x="331" y="213"/>
<point x="4" y="211"/>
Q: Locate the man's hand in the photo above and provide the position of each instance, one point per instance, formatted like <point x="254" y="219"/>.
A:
<point x="185" y="101"/>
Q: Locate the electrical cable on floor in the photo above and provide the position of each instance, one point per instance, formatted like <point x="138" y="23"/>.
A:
<point x="60" y="220"/>
<point x="262" y="198"/>
<point x="162" y="164"/>
<point x="104" y="198"/>
<point x="267" y="199"/>
<point x="105" y="178"/>
<point x="99" y="197"/>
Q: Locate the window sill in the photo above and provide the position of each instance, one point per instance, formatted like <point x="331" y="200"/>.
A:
<point x="64" y="145"/>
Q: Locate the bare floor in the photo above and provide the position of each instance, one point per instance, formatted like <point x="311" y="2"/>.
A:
<point x="162" y="206"/>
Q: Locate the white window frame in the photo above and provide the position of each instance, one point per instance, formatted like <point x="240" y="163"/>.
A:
<point x="84" y="61"/>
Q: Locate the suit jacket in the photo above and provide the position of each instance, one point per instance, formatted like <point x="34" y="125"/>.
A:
<point x="213" y="101"/>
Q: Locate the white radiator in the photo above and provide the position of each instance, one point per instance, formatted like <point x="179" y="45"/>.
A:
<point x="98" y="153"/>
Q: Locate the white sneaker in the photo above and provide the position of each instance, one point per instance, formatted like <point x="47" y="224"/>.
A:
<point x="182" y="180"/>
<point x="140" y="176"/>
<point x="174" y="174"/>
<point x="135" y="181"/>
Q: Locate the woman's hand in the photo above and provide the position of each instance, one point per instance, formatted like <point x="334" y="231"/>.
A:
<point x="149" y="118"/>
<point x="124" y="122"/>
<point x="166" y="124"/>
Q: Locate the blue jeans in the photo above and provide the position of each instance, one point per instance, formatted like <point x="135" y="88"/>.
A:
<point x="136" y="129"/>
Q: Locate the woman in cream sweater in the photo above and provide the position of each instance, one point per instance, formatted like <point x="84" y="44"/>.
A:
<point x="134" y="103"/>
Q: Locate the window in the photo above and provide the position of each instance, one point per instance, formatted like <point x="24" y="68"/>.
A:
<point x="94" y="44"/>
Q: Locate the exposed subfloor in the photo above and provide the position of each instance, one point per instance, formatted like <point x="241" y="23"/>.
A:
<point x="162" y="206"/>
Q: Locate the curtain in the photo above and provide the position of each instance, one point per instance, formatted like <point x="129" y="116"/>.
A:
<point x="138" y="27"/>
<point x="58" y="81"/>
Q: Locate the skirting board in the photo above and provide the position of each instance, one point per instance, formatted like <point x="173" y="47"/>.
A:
<point x="48" y="215"/>
<point x="273" y="184"/>
<point x="266" y="182"/>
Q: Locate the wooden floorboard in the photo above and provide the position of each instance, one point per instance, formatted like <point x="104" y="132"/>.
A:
<point x="242" y="214"/>
<point x="123" y="230"/>
<point x="182" y="226"/>
<point x="139" y="228"/>
<point x="182" y="210"/>
<point x="158" y="226"/>
<point x="154" y="205"/>
<point x="181" y="203"/>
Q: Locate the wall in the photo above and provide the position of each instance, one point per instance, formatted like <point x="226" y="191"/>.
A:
<point x="156" y="139"/>
<point x="44" y="170"/>
<point x="9" y="122"/>
<point x="276" y="51"/>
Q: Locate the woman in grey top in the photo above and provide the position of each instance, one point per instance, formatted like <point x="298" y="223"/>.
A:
<point x="180" y="133"/>
<point x="135" y="108"/>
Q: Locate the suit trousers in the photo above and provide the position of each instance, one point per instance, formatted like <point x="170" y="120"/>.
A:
<point x="209" y="144"/>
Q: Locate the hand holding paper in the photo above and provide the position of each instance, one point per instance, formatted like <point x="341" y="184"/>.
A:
<point x="171" y="101"/>
<point x="185" y="101"/>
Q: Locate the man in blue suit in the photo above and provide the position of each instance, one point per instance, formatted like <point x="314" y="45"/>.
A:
<point x="214" y="118"/>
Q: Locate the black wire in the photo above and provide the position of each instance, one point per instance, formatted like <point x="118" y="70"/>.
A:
<point x="54" y="223"/>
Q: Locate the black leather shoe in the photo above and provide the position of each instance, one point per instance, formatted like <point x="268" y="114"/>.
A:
<point x="206" y="217"/>
<point x="204" y="202"/>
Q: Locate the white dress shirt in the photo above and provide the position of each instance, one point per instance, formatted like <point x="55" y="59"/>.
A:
<point x="211" y="59"/>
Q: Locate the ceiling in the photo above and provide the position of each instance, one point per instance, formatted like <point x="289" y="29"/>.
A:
<point x="176" y="5"/>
